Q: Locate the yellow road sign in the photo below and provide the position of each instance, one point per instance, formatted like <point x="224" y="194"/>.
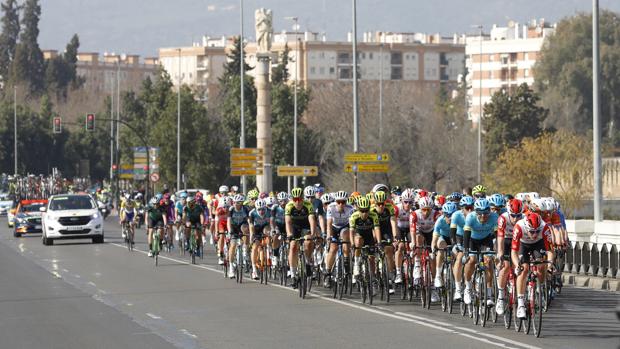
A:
<point x="305" y="171"/>
<point x="366" y="157"/>
<point x="371" y="168"/>
<point x="236" y="172"/>
<point x="246" y="158"/>
<point x="246" y="151"/>
<point x="246" y="164"/>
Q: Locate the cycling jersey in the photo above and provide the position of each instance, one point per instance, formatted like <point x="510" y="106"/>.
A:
<point x="193" y="213"/>
<point x="421" y="224"/>
<point x="277" y="212"/>
<point x="522" y="235"/>
<point x="458" y="221"/>
<point x="504" y="227"/>
<point x="169" y="209"/>
<point x="239" y="217"/>
<point x="299" y="217"/>
<point x="402" y="217"/>
<point x="442" y="227"/>
<point x="222" y="215"/>
<point x="155" y="215"/>
<point x="364" y="227"/>
<point x="478" y="229"/>
<point x="385" y="217"/>
<point x="339" y="219"/>
<point x="259" y="221"/>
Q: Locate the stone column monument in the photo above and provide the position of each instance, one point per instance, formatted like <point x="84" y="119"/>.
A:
<point x="264" y="33"/>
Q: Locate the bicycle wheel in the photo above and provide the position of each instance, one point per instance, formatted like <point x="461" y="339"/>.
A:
<point x="492" y="311"/>
<point x="475" y="301"/>
<point x="548" y="293"/>
<point x="483" y="298"/>
<point x="509" y="300"/>
<point x="370" y="283"/>
<point x="426" y="284"/>
<point x="379" y="275"/>
<point x="537" y="310"/>
<point x="238" y="265"/>
<point x="265" y="267"/>
<point x="301" y="281"/>
<point x="155" y="246"/>
<point x="529" y="305"/>
<point x="362" y="282"/>
<point x="449" y="288"/>
<point x="386" y="282"/>
<point x="337" y="271"/>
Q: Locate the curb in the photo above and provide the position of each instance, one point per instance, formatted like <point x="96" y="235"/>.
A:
<point x="593" y="282"/>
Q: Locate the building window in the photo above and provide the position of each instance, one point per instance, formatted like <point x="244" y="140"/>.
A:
<point x="396" y="73"/>
<point x="332" y="70"/>
<point x="397" y="58"/>
<point x="344" y="58"/>
<point x="527" y="57"/>
<point x="322" y="55"/>
<point x="345" y="73"/>
<point x="363" y="55"/>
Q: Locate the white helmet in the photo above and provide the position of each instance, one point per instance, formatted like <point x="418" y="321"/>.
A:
<point x="282" y="196"/>
<point x="270" y="201"/>
<point x="341" y="195"/>
<point x="309" y="191"/>
<point x="407" y="195"/>
<point x="224" y="189"/>
<point x="381" y="187"/>
<point x="238" y="198"/>
<point x="520" y="196"/>
<point x="534" y="195"/>
<point x="538" y="205"/>
<point x="234" y="188"/>
<point x="260" y="203"/>
<point x="327" y="199"/>
<point x="550" y="204"/>
<point x="426" y="202"/>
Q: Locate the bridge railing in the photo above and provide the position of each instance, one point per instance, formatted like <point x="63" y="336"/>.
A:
<point x="596" y="259"/>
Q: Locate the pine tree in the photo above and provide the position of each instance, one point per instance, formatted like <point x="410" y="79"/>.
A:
<point x="8" y="37"/>
<point x="28" y="65"/>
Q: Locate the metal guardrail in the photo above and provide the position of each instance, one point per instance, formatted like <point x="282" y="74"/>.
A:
<point x="588" y="258"/>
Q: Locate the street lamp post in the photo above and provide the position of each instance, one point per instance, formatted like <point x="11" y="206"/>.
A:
<point x="242" y="79"/>
<point x="15" y="127"/>
<point x="381" y="93"/>
<point x="178" y="127"/>
<point x="297" y="51"/>
<point x="480" y="108"/>
<point x="596" y="106"/>
<point x="355" y="100"/>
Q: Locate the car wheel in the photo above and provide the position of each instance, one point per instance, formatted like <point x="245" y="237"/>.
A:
<point x="98" y="239"/>
<point x="16" y="234"/>
<point x="47" y="241"/>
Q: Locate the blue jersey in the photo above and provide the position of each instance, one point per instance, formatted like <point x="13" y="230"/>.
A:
<point x="240" y="217"/>
<point x="442" y="227"/>
<point x="179" y="207"/>
<point x="277" y="212"/>
<point x="458" y="222"/>
<point x="480" y="230"/>
<point x="258" y="221"/>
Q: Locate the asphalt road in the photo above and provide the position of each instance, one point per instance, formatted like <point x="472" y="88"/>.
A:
<point x="79" y="295"/>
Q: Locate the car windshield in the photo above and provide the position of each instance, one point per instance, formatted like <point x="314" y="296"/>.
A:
<point x="32" y="207"/>
<point x="77" y="202"/>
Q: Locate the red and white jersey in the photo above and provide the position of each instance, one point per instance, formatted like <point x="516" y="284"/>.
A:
<point x="421" y="224"/>
<point x="504" y="227"/>
<point x="522" y="235"/>
<point x="402" y="216"/>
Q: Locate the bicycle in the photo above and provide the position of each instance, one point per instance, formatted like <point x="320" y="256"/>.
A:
<point x="238" y="266"/>
<point x="302" y="278"/>
<point x="222" y="235"/>
<point x="365" y="278"/>
<point x="194" y="245"/>
<point x="126" y="229"/>
<point x="265" y="261"/>
<point x="478" y="307"/>
<point x="338" y="272"/>
<point x="283" y="261"/>
<point x="446" y="293"/>
<point x="168" y="238"/>
<point x="423" y="289"/>
<point x="156" y="243"/>
<point x="381" y="271"/>
<point x="533" y="299"/>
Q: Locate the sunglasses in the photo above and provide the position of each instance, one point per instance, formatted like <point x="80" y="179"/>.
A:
<point x="407" y="202"/>
<point x="341" y="202"/>
<point x="516" y="215"/>
<point x="479" y="195"/>
<point x="261" y="209"/>
<point x="483" y="213"/>
<point x="364" y="210"/>
<point x="380" y="203"/>
<point x="297" y="199"/>
<point x="425" y="209"/>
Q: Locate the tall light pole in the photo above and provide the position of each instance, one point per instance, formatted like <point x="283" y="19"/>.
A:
<point x="598" y="190"/>
<point x="381" y="93"/>
<point x="356" y="125"/>
<point x="111" y="131"/>
<point x="118" y="110"/>
<point x="15" y="127"/>
<point x="178" y="127"/>
<point x="297" y="51"/>
<point x="242" y="80"/>
<point x="479" y="26"/>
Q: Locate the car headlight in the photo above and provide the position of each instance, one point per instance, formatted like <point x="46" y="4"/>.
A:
<point x="95" y="215"/>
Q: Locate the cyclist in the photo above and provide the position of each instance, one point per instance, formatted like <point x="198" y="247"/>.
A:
<point x="278" y="226"/>
<point x="178" y="210"/>
<point x="169" y="207"/>
<point x="338" y="214"/>
<point x="441" y="240"/>
<point x="505" y="230"/>
<point x="221" y="225"/>
<point x="479" y="191"/>
<point x="300" y="221"/>
<point x="259" y="231"/>
<point x="237" y="224"/>
<point x="531" y="240"/>
<point x="128" y="215"/>
<point x="252" y="197"/>
<point x="402" y="212"/>
<point x="212" y="204"/>
<point x="497" y="203"/>
<point x="421" y="225"/>
<point x="202" y="203"/>
<point x="193" y="216"/>
<point x="479" y="231"/>
<point x="365" y="225"/>
<point x="387" y="225"/>
<point x="155" y="218"/>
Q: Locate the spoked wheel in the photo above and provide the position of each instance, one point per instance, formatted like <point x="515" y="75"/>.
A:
<point x="494" y="297"/>
<point x="426" y="285"/>
<point x="537" y="310"/>
<point x="301" y="279"/>
<point x="475" y="301"/>
<point x="449" y="290"/>
<point x="529" y="306"/>
<point x="370" y="283"/>
<point x="483" y="299"/>
<point x="509" y="300"/>
<point x="518" y="322"/>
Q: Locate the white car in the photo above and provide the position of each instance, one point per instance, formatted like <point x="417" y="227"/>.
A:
<point x="71" y="217"/>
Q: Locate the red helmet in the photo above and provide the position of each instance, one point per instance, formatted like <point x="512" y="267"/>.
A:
<point x="533" y="222"/>
<point x="515" y="206"/>
<point x="162" y="202"/>
<point x="422" y="193"/>
<point x="440" y="200"/>
<point x="198" y="194"/>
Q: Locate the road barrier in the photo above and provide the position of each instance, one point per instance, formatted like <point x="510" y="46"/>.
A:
<point x="593" y="259"/>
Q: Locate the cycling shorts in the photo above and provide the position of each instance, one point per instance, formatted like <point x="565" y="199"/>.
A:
<point x="527" y="252"/>
<point x="128" y="216"/>
<point x="507" y="249"/>
<point x="447" y="239"/>
<point x="428" y="237"/>
<point x="482" y="244"/>
<point x="368" y="237"/>
<point x="236" y="232"/>
<point x="298" y="231"/>
<point x="339" y="230"/>
<point x="156" y="223"/>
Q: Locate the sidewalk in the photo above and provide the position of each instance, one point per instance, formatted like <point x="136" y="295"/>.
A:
<point x="590" y="281"/>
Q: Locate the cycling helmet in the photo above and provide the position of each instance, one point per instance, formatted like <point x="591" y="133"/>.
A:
<point x="508" y="197"/>
<point x="309" y="191"/>
<point x="159" y="196"/>
<point x="497" y="200"/>
<point x="449" y="208"/>
<point x="223" y="202"/>
<point x="138" y="196"/>
<point x="363" y="203"/>
<point x="549" y="204"/>
<point x="370" y="196"/>
<point x="425" y="202"/>
<point x="166" y="196"/>
<point x="223" y="189"/>
<point x="270" y="201"/>
<point x="537" y="205"/>
<point x="355" y="194"/>
<point x="153" y="201"/>
<point x="341" y="195"/>
<point x="380" y="187"/>
<point x="422" y="193"/>
<point x="407" y="195"/>
<point x="260" y="204"/>
<point x="282" y="196"/>
<point x="253" y="194"/>
<point x="466" y="201"/>
<point x="440" y="200"/>
<point x="455" y="197"/>
<point x="234" y="188"/>
<point x="520" y="196"/>
<point x="534" y="195"/>
<point x="479" y="189"/>
<point x="127" y="196"/>
<point x="238" y="198"/>
<point x="318" y="189"/>
<point x="380" y="196"/>
<point x="515" y="206"/>
<point x="327" y="199"/>
<point x="351" y="200"/>
<point x="533" y="222"/>
<point x="191" y="200"/>
<point x="482" y="205"/>
<point x="183" y="195"/>
<point x="396" y="190"/>
<point x="296" y="193"/>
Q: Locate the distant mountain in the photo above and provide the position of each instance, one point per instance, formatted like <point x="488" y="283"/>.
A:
<point x="142" y="26"/>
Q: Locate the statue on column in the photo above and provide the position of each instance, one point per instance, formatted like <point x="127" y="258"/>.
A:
<point x="264" y="29"/>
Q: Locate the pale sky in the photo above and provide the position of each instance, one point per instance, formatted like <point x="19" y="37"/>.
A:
<point x="142" y="26"/>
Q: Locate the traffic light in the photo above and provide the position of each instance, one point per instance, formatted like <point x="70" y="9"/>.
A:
<point x="90" y="122"/>
<point x="57" y="125"/>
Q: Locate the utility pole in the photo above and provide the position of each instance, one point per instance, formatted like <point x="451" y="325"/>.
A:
<point x="112" y="132"/>
<point x="355" y="100"/>
<point x="244" y="184"/>
<point x="596" y="106"/>
<point x="178" y="127"/>
<point x="381" y="94"/>
<point x="15" y="127"/>
<point x="480" y="109"/>
<point x="297" y="53"/>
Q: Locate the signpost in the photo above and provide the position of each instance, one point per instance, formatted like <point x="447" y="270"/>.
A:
<point x="155" y="177"/>
<point x="246" y="162"/>
<point x="366" y="162"/>
<point x="302" y="171"/>
<point x="366" y="157"/>
<point x="369" y="168"/>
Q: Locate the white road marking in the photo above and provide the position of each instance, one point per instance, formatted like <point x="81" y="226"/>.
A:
<point x="153" y="316"/>
<point x="184" y="331"/>
<point x="437" y="325"/>
<point x="92" y="284"/>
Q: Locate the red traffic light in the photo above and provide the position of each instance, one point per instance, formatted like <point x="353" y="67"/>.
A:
<point x="90" y="122"/>
<point x="57" y="127"/>
<point x="114" y="167"/>
<point x="146" y="168"/>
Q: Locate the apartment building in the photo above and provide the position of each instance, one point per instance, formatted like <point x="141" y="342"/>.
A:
<point x="502" y="60"/>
